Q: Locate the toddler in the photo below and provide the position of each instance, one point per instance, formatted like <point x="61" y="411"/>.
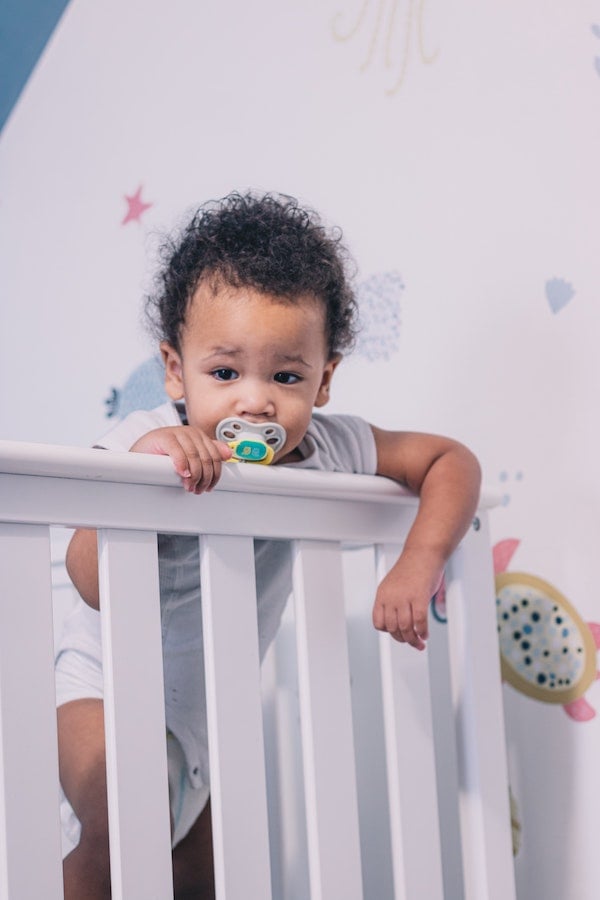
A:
<point x="253" y="310"/>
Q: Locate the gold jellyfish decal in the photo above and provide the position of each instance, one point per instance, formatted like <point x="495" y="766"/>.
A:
<point x="393" y="28"/>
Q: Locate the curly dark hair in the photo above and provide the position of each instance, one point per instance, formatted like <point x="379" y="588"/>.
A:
<point x="268" y="243"/>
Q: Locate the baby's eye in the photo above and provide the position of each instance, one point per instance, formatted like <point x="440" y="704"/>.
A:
<point x="224" y="374"/>
<point x="286" y="378"/>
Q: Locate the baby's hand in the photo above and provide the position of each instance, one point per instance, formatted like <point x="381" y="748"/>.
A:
<point x="196" y="457"/>
<point x="402" y="601"/>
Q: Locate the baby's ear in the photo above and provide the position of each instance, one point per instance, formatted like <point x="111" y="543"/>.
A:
<point x="173" y="371"/>
<point x="328" y="370"/>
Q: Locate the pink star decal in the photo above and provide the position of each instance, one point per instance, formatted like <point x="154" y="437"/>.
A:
<point x="135" y="207"/>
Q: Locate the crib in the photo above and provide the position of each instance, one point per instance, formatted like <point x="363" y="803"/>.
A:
<point x="346" y="767"/>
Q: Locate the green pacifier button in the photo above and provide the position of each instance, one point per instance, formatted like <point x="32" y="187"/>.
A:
<point x="254" y="450"/>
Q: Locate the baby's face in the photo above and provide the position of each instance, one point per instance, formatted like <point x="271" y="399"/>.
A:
<point x="250" y="355"/>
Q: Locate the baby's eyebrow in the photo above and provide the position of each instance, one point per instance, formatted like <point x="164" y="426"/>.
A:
<point x="284" y="359"/>
<point x="291" y="358"/>
<point x="296" y="359"/>
<point x="223" y="351"/>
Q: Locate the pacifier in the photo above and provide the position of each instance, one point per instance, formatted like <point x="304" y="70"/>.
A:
<point x="257" y="443"/>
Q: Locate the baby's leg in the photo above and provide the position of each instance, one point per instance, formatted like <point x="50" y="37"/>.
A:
<point x="193" y="871"/>
<point x="82" y="766"/>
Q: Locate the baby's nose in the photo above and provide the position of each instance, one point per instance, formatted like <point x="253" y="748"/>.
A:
<point x="256" y="400"/>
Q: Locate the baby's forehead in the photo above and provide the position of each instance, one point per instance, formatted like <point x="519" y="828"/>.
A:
<point x="246" y="319"/>
<point x="217" y="287"/>
<point x="219" y="296"/>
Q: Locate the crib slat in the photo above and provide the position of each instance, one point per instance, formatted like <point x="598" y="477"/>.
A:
<point x="414" y="821"/>
<point x="236" y="744"/>
<point x="30" y="843"/>
<point x="476" y="688"/>
<point x="326" y="716"/>
<point x="136" y="763"/>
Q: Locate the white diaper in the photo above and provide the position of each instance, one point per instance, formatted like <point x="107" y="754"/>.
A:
<point x="186" y="801"/>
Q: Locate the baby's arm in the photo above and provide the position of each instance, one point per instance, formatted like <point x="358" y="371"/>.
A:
<point x="197" y="460"/>
<point x="447" y="478"/>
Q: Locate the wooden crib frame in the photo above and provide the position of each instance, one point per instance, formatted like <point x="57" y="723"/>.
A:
<point x="131" y="497"/>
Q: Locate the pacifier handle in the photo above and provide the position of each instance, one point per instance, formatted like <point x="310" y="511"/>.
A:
<point x="250" y="441"/>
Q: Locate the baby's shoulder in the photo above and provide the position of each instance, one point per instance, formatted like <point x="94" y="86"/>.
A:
<point x="343" y="443"/>
<point x="126" y="432"/>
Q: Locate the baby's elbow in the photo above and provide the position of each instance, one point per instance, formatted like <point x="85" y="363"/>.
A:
<point x="472" y="463"/>
<point x="462" y="465"/>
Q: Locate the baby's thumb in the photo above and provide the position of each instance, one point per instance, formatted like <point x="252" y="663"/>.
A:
<point x="224" y="449"/>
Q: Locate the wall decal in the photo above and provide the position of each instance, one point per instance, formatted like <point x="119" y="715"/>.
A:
<point x="392" y="31"/>
<point x="144" y="389"/>
<point x="558" y="293"/>
<point x="136" y="207"/>
<point x="505" y="480"/>
<point x="547" y="651"/>
<point x="379" y="305"/>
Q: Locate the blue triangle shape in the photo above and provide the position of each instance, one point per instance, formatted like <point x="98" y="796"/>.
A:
<point x="25" y="27"/>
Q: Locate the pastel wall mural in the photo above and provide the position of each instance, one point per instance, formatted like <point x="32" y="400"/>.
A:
<point x="457" y="148"/>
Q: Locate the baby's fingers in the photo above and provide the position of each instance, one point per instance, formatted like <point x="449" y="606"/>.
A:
<point x="420" y="621"/>
<point x="402" y="624"/>
<point x="166" y="442"/>
<point x="409" y="636"/>
<point x="379" y="616"/>
<point x="405" y="630"/>
<point x="203" y="464"/>
<point x="196" y="458"/>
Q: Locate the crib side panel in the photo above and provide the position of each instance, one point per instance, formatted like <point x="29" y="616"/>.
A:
<point x="30" y="845"/>
<point x="135" y="698"/>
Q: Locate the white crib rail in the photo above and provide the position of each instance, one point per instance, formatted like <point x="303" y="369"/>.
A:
<point x="130" y="498"/>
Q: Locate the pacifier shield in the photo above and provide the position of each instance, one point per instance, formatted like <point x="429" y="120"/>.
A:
<point x="250" y="441"/>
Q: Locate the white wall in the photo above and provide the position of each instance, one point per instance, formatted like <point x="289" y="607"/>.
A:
<point x="468" y="165"/>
